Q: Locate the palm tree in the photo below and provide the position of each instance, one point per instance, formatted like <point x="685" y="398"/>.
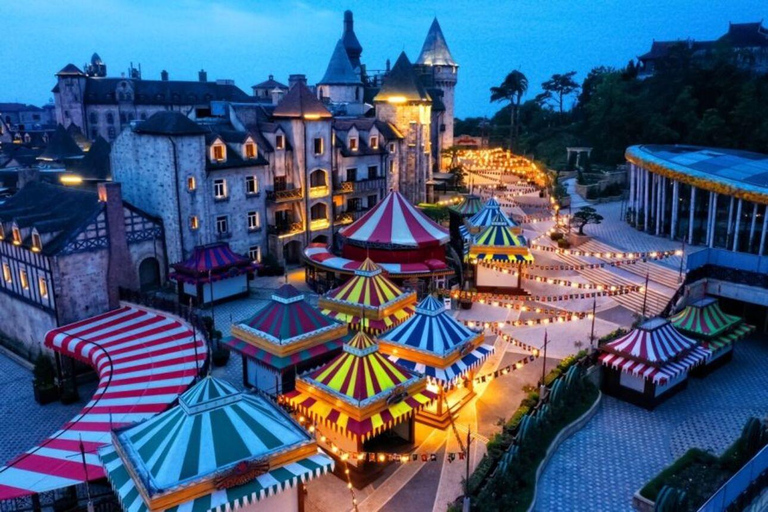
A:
<point x="512" y="90"/>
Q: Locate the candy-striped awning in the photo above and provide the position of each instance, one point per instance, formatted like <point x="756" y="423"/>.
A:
<point x="144" y="361"/>
<point x="432" y="330"/>
<point x="727" y="339"/>
<point x="361" y="374"/>
<point x="470" y="205"/>
<point x="212" y="430"/>
<point x="654" y="342"/>
<point x="212" y="262"/>
<point x="262" y="356"/>
<point x="503" y="258"/>
<point x="704" y="318"/>
<point x="320" y="255"/>
<point x="397" y="223"/>
<point x="325" y="413"/>
<point x="657" y="374"/>
<point x="450" y="374"/>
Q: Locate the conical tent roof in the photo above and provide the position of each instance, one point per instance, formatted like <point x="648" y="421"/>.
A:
<point x="435" y="51"/>
<point x="499" y="236"/>
<point x="402" y="85"/>
<point x="339" y="70"/>
<point x="655" y="341"/>
<point x="490" y="214"/>
<point x="370" y="287"/>
<point x="395" y="222"/>
<point x="704" y="318"/>
<point x="470" y="205"/>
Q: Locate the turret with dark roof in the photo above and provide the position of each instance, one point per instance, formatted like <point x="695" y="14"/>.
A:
<point x="170" y="123"/>
<point x="435" y="51"/>
<point x="402" y="85"/>
<point x="70" y="70"/>
<point x="351" y="44"/>
<point x="301" y="102"/>
<point x="340" y="71"/>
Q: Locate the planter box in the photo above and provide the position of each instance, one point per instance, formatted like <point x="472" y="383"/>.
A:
<point x="46" y="395"/>
<point x="220" y="357"/>
<point x="465" y="304"/>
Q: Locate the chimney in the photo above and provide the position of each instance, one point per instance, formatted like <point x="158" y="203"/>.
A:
<point x="164" y="75"/>
<point x="120" y="272"/>
<point x="202" y="75"/>
<point x="295" y="79"/>
<point x="277" y="95"/>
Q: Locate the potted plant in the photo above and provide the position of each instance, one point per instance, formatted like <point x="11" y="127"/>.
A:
<point x="465" y="301"/>
<point x="220" y="354"/>
<point x="44" y="382"/>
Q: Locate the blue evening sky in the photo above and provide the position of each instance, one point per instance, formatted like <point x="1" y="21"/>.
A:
<point x="248" y="40"/>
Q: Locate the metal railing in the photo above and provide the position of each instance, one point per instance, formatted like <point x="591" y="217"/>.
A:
<point x="741" y="482"/>
<point x="292" y="194"/>
<point x="285" y="229"/>
<point x="345" y="187"/>
<point x="318" y="191"/>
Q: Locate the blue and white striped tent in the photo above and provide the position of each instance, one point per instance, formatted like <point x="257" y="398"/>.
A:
<point x="432" y="331"/>
<point x="489" y="215"/>
<point x="214" y="430"/>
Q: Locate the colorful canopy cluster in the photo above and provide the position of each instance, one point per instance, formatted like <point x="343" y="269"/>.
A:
<point x="360" y="393"/>
<point x="705" y="320"/>
<point x="144" y="361"/>
<point x="214" y="434"/>
<point x="286" y="331"/>
<point x="501" y="244"/>
<point x="395" y="222"/>
<point x="213" y="262"/>
<point x="369" y="298"/>
<point x="655" y="350"/>
<point x="435" y="344"/>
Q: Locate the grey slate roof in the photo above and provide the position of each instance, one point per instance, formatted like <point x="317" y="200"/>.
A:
<point x="435" y="51"/>
<point x="163" y="92"/>
<point x="300" y="102"/>
<point x="746" y="35"/>
<point x="340" y="71"/>
<point x="70" y="70"/>
<point x="270" y="84"/>
<point x="170" y="123"/>
<point x="402" y="82"/>
<point x="51" y="209"/>
<point x="95" y="164"/>
<point x="61" y="146"/>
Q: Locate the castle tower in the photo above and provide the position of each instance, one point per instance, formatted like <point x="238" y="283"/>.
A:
<point x="438" y="70"/>
<point x="351" y="44"/>
<point x="68" y="94"/>
<point x="404" y="102"/>
<point x="340" y="84"/>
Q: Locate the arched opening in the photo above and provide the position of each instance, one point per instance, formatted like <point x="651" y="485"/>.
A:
<point x="149" y="274"/>
<point x="319" y="212"/>
<point x="320" y="239"/>
<point x="318" y="178"/>
<point x="292" y="252"/>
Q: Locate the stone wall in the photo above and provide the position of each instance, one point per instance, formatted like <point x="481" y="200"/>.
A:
<point x="24" y="326"/>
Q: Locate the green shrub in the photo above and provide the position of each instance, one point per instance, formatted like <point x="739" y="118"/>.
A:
<point x="556" y="235"/>
<point x="563" y="243"/>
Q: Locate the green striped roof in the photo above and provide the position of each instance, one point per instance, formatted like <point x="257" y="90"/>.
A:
<point x="213" y="428"/>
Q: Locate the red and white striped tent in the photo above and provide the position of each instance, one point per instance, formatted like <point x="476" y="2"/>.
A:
<point x="655" y="350"/>
<point x="144" y="360"/>
<point x="395" y="222"/>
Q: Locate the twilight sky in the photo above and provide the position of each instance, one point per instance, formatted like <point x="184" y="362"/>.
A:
<point x="248" y="40"/>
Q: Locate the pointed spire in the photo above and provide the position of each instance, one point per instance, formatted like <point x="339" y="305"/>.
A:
<point x="339" y="71"/>
<point x="351" y="44"/>
<point x="402" y="85"/>
<point x="435" y="51"/>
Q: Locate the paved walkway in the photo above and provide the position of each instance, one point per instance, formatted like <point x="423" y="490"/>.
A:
<point x="623" y="446"/>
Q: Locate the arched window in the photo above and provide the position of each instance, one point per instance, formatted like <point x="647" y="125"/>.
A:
<point x="317" y="178"/>
<point x="16" y="235"/>
<point x="37" y="242"/>
<point x="110" y="118"/>
<point x="93" y="117"/>
<point x="319" y="212"/>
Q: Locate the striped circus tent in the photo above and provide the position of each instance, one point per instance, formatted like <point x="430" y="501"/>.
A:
<point x="212" y="262"/>
<point x="370" y="299"/>
<point x="144" y="361"/>
<point x="704" y="320"/>
<point x="469" y="206"/>
<point x="500" y="244"/>
<point x="360" y="393"/>
<point x="233" y="448"/>
<point x="435" y="344"/>
<point x="394" y="222"/>
<point x="498" y="235"/>
<point x="490" y="214"/>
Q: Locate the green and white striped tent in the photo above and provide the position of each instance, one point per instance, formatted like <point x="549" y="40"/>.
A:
<point x="213" y="428"/>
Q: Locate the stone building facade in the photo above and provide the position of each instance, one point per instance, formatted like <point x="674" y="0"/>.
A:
<point x="64" y="253"/>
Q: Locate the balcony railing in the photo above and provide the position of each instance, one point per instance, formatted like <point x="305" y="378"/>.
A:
<point x="370" y="185"/>
<point x="319" y="191"/>
<point x="281" y="196"/>
<point x="318" y="224"/>
<point x="285" y="229"/>
<point x="345" y="187"/>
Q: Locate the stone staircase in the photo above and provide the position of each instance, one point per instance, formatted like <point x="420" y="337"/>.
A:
<point x="656" y="272"/>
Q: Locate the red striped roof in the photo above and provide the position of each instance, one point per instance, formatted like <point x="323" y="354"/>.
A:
<point x="655" y="342"/>
<point x="144" y="361"/>
<point x="395" y="222"/>
<point x="214" y="258"/>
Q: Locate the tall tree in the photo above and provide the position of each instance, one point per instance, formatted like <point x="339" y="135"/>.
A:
<point x="512" y="90"/>
<point x="560" y="86"/>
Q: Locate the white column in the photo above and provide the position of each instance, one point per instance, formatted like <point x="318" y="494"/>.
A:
<point x="736" y="227"/>
<point x="730" y="222"/>
<point x="752" y="227"/>
<point x="765" y="229"/>
<point x="657" y="201"/>
<point x="645" y="200"/>
<point x="712" y="218"/>
<point x="632" y="171"/>
<point x="675" y="208"/>
<point x="690" y="217"/>
<point x="663" y="212"/>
